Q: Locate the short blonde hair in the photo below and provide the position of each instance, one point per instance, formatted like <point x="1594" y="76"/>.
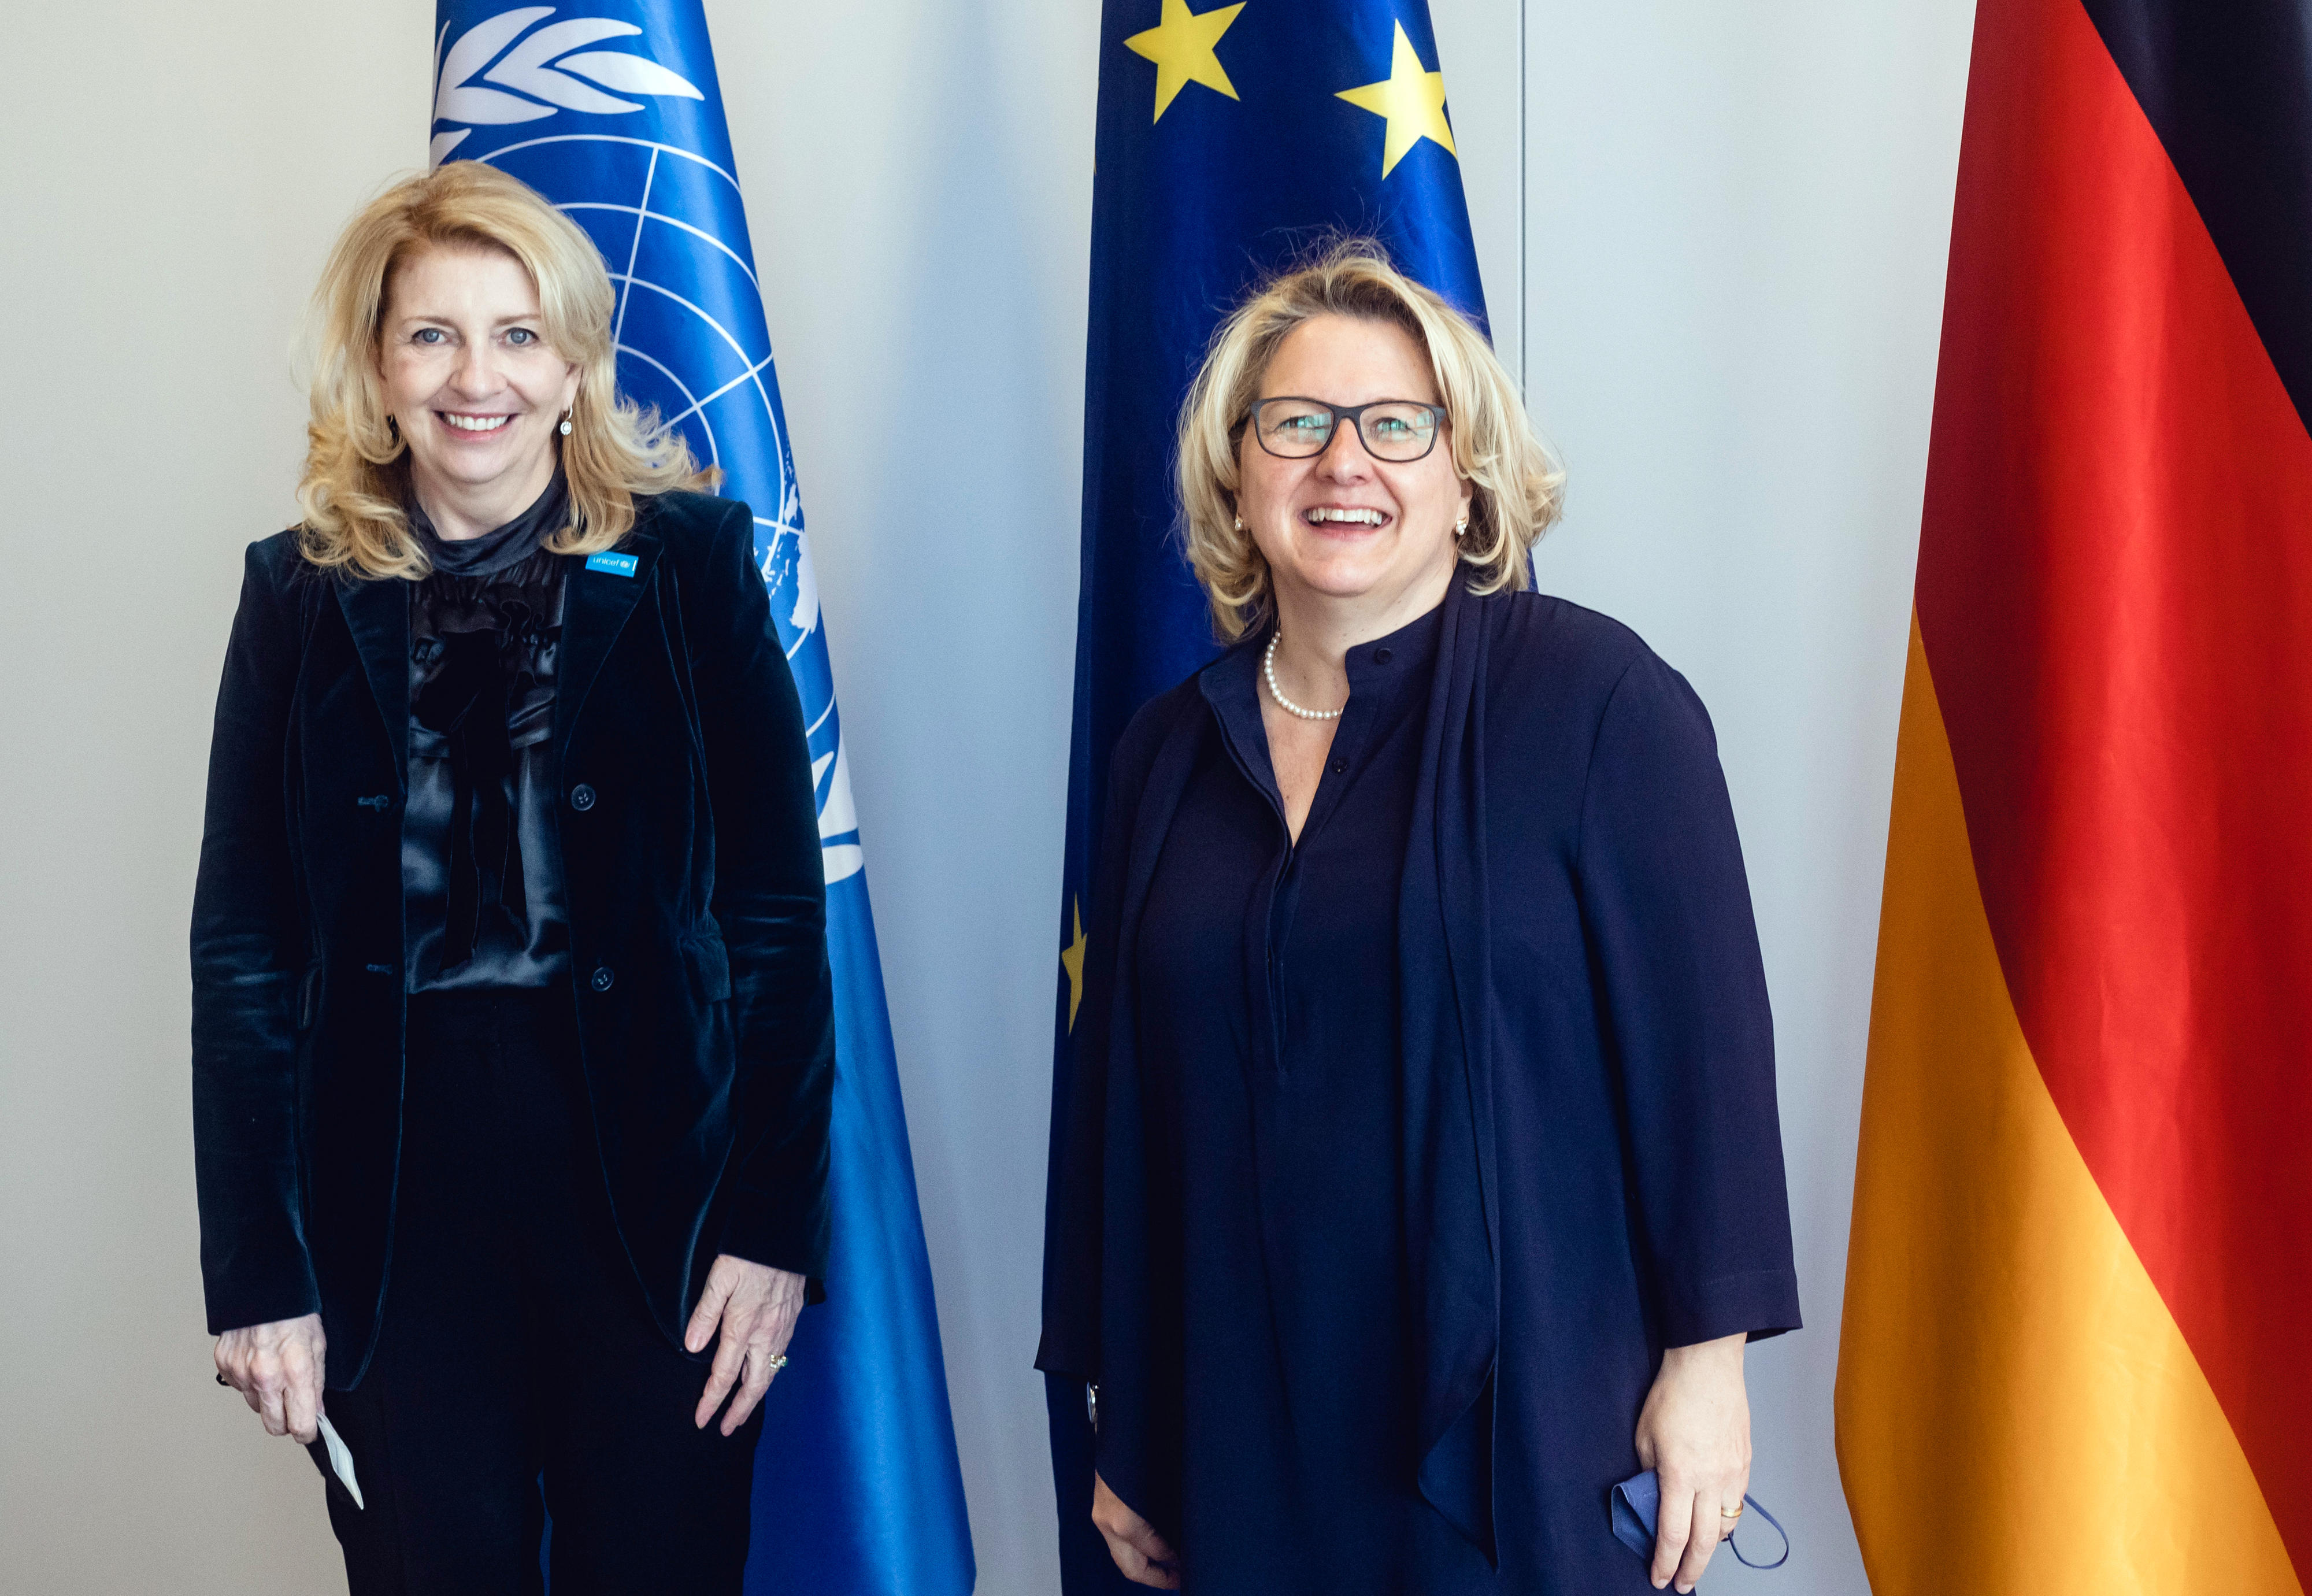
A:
<point x="1516" y="485"/>
<point x="356" y="474"/>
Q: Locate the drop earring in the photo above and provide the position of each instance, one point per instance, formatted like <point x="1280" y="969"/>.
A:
<point x="566" y="415"/>
<point x="1239" y="523"/>
<point x="1461" y="527"/>
<point x="393" y="429"/>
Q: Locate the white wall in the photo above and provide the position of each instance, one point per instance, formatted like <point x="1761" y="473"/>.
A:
<point x="1719" y="253"/>
<point x="169" y="185"/>
<point x="1737" y="224"/>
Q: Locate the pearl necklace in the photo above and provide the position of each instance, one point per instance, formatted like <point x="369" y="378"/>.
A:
<point x="1268" y="669"/>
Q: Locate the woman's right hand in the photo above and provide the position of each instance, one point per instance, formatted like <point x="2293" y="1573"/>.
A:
<point x="1140" y="1553"/>
<point x="277" y="1370"/>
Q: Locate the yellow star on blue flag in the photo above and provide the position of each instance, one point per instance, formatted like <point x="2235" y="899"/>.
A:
<point x="1181" y="45"/>
<point x="1412" y="99"/>
<point x="1071" y="959"/>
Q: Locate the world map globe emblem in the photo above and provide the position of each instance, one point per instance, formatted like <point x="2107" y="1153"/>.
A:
<point x="614" y="137"/>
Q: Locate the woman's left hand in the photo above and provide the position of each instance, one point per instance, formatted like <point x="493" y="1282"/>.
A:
<point x="1694" y="1434"/>
<point x="756" y="1305"/>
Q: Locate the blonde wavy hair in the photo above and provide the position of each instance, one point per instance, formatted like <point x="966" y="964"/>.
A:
<point x="1517" y="487"/>
<point x="356" y="476"/>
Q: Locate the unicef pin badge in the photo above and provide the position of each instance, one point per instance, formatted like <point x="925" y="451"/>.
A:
<point x="616" y="565"/>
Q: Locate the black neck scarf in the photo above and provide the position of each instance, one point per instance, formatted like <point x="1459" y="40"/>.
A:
<point x="493" y="551"/>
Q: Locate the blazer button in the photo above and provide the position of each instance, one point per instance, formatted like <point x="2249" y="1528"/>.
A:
<point x="602" y="977"/>
<point x="581" y="796"/>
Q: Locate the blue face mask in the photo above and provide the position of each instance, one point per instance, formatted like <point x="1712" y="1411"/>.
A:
<point x="1635" y="1503"/>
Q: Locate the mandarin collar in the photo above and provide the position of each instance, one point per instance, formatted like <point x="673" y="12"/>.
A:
<point x="1382" y="673"/>
<point x="1376" y="669"/>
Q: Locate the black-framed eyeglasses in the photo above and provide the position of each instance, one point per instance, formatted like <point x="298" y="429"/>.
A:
<point x="1398" y="431"/>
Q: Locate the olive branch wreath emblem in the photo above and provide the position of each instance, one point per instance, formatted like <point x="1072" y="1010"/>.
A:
<point x="551" y="65"/>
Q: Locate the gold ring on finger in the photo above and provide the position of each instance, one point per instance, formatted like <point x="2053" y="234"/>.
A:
<point x="778" y="1362"/>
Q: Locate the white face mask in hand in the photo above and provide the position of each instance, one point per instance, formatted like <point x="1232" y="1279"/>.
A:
<point x="341" y="1459"/>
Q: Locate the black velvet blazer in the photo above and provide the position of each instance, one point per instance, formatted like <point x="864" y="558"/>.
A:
<point x="690" y="855"/>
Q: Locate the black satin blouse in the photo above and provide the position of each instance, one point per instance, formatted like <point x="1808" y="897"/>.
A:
<point x="481" y="883"/>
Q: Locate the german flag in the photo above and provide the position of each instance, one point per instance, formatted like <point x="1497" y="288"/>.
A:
<point x="2077" y="1354"/>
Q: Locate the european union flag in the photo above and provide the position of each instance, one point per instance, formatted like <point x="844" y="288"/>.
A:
<point x="611" y="110"/>
<point x="1231" y="141"/>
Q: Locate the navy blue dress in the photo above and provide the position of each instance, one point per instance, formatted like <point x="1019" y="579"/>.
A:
<point x="1391" y="1162"/>
<point x="1268" y="1013"/>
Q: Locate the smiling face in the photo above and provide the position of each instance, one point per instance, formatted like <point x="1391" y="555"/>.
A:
<point x="477" y="391"/>
<point x="1343" y="526"/>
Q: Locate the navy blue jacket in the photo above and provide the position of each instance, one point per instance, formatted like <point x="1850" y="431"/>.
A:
<point x="690" y="858"/>
<point x="1592" y="1156"/>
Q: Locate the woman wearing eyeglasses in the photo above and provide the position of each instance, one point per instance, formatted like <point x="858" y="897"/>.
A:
<point x="1423" y="1176"/>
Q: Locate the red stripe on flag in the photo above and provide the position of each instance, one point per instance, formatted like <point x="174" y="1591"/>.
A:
<point x="2116" y="593"/>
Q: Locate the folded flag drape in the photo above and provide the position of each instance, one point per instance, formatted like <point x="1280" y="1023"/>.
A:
<point x="614" y="112"/>
<point x="2078" y="1277"/>
<point x="1231" y="140"/>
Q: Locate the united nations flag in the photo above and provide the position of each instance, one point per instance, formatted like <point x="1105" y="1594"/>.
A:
<point x="611" y="110"/>
<point x="1232" y="141"/>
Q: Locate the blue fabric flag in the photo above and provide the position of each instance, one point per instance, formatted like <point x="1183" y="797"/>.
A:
<point x="1232" y="142"/>
<point x="611" y="110"/>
